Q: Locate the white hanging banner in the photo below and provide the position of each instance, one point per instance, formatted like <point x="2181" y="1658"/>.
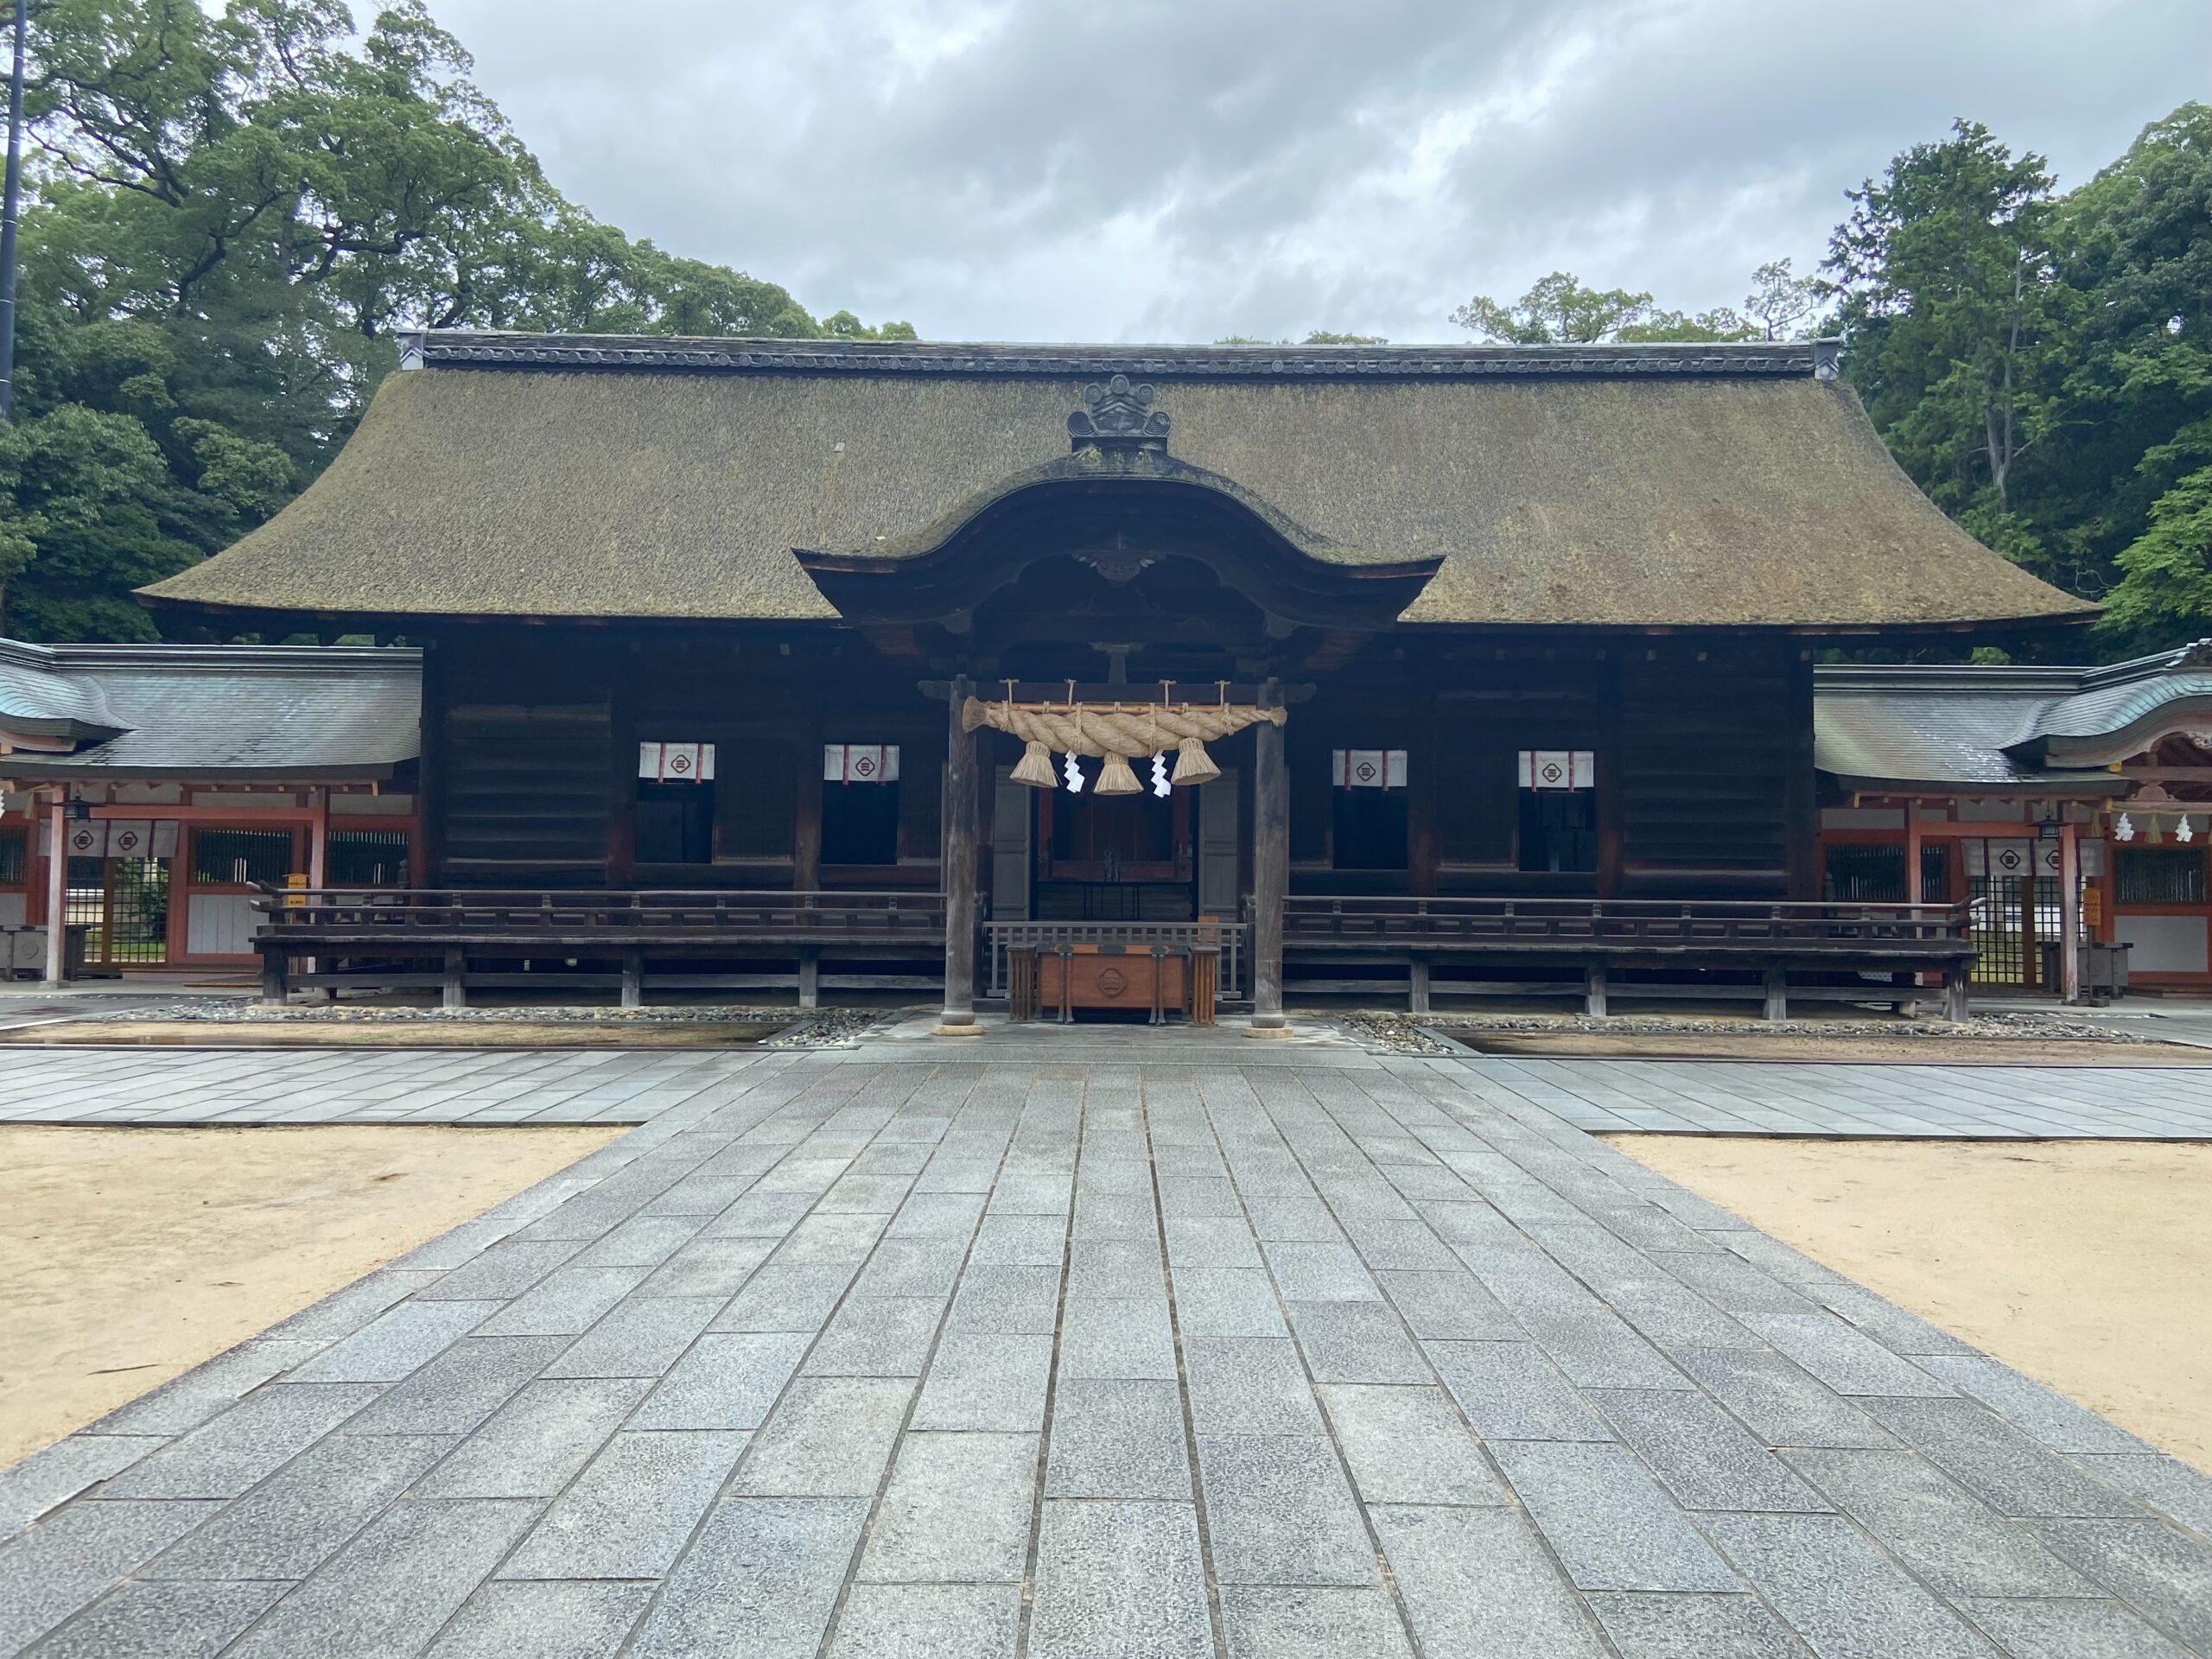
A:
<point x="129" y="838"/>
<point x="1368" y="768"/>
<point x="676" y="763"/>
<point x="860" y="763"/>
<point x="85" y="837"/>
<point x="1559" y="769"/>
<point x="164" y="838"/>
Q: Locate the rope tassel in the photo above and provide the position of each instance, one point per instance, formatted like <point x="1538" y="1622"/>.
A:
<point x="1035" y="767"/>
<point x="1117" y="779"/>
<point x="1192" y="763"/>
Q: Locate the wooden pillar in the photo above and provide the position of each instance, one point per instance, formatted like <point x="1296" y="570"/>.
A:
<point x="1270" y="865"/>
<point x="619" y="673"/>
<point x="1800" y="795"/>
<point x="1954" y="991"/>
<point x="1417" y="990"/>
<point x="806" y="820"/>
<point x="57" y="891"/>
<point x="957" y="880"/>
<point x="1777" y="993"/>
<point x="274" y="988"/>
<point x="319" y="840"/>
<point x="2069" y="913"/>
<point x="633" y="975"/>
<point x="1609" y="808"/>
<point x="426" y="853"/>
<point x="809" y="975"/>
<point x="1593" y="992"/>
<point x="456" y="993"/>
<point x="1914" y="889"/>
<point x="319" y="868"/>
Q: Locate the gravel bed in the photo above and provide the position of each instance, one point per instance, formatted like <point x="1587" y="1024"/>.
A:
<point x="1402" y="1033"/>
<point x="809" y="1028"/>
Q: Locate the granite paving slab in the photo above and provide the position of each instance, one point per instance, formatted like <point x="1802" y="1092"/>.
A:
<point x="1116" y="1350"/>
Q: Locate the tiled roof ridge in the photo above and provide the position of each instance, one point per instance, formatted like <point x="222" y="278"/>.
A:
<point x="62" y="659"/>
<point x="483" y="348"/>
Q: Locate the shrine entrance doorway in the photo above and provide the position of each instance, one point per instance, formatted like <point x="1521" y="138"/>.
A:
<point x="1114" y="858"/>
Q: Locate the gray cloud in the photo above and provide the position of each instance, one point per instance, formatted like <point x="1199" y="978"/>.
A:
<point x="1026" y="169"/>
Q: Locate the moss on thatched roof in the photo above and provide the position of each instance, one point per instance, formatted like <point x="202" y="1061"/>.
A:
<point x="1728" y="487"/>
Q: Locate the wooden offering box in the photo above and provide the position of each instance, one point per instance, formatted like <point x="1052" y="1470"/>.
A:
<point x="1054" y="983"/>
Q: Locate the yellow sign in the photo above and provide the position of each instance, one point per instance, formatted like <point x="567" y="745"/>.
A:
<point x="298" y="899"/>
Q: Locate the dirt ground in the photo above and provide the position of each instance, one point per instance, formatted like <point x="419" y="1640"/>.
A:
<point x="2086" y="1264"/>
<point x="128" y="1256"/>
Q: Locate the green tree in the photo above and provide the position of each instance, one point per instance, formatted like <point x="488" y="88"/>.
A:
<point x="2130" y="481"/>
<point x="1954" y="315"/>
<point x="1559" y="310"/>
<point x="232" y="216"/>
<point x="1783" y="305"/>
<point x="2166" y="587"/>
<point x="1318" y="337"/>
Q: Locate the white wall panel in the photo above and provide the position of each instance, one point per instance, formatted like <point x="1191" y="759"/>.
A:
<point x="2163" y="944"/>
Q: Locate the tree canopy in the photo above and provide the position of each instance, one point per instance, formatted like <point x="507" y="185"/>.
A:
<point x="1559" y="310"/>
<point x="2042" y="362"/>
<point x="229" y="218"/>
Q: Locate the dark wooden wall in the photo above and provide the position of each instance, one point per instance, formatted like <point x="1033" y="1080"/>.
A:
<point x="1704" y="756"/>
<point x="531" y="746"/>
<point x="1713" y="772"/>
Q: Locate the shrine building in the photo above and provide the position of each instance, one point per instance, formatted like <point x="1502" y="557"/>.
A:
<point x="1156" y="679"/>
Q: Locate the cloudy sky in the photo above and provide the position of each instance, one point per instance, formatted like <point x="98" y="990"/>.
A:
<point x="1139" y="170"/>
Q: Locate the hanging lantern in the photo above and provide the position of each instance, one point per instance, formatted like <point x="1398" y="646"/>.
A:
<point x="2125" y="829"/>
<point x="1160" y="787"/>
<point x="1035" y="767"/>
<point x="1072" y="770"/>
<point x="1117" y="779"/>
<point x="1193" y="765"/>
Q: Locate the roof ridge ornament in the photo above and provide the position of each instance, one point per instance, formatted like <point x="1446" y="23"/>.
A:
<point x="1119" y="422"/>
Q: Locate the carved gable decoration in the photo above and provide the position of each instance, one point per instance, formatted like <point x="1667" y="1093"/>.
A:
<point x="1118" y="421"/>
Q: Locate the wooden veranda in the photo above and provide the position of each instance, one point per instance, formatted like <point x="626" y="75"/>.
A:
<point x="459" y="939"/>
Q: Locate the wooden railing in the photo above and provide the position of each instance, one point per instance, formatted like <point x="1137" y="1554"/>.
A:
<point x="406" y="917"/>
<point x="1753" y="927"/>
<point x="1175" y="938"/>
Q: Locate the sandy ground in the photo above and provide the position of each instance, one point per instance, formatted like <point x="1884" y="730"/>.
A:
<point x="129" y="1255"/>
<point x="2086" y="1264"/>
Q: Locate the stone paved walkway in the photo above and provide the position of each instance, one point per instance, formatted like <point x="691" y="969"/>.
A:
<point x="876" y="1353"/>
<point x="1773" y="1097"/>
<point x="181" y="1086"/>
<point x="169" y="1087"/>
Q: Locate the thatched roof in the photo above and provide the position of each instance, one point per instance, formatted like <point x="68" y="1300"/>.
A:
<point x="1605" y="485"/>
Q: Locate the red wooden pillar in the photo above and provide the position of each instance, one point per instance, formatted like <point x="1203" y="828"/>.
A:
<point x="2069" y="913"/>
<point x="1915" y="890"/>
<point x="57" y="891"/>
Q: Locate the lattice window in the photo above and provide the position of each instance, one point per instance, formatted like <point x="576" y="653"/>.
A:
<point x="2159" y="875"/>
<point x="368" y="858"/>
<point x="236" y="858"/>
